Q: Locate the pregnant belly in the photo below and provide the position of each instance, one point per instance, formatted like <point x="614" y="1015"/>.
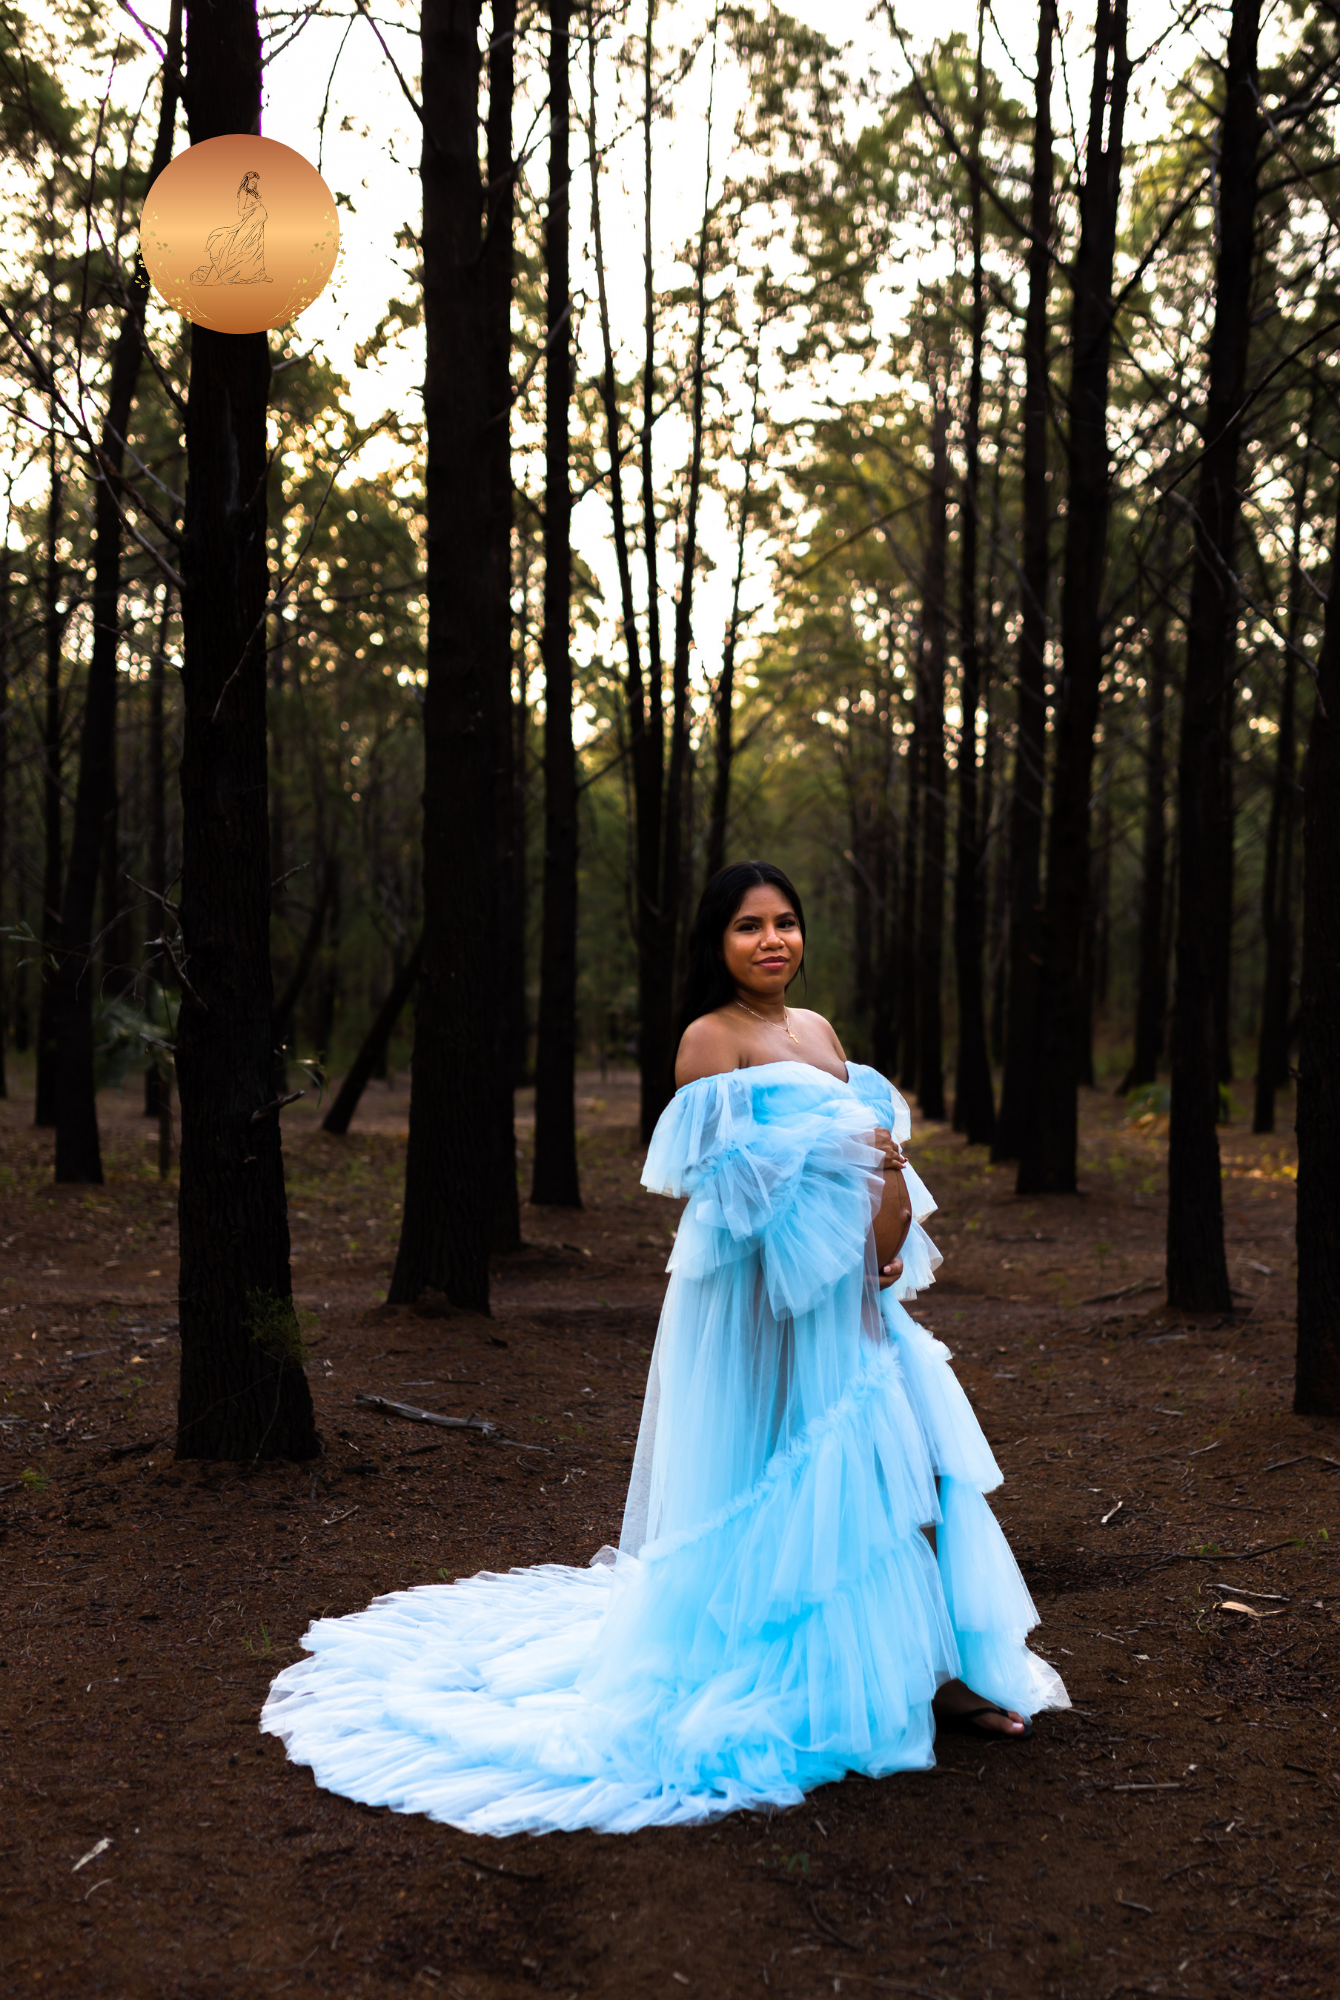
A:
<point x="894" y="1217"/>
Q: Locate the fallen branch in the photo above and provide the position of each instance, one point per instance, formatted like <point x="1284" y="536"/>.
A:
<point x="413" y="1415"/>
<point x="492" y="1868"/>
<point x="830" y="1931"/>
<point x="1218" y="1557"/>
<point x="1106" y="1298"/>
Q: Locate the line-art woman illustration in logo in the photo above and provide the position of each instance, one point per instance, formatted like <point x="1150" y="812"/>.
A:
<point x="237" y="251"/>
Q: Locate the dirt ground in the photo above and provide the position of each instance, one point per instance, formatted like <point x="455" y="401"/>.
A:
<point x="1172" y="1834"/>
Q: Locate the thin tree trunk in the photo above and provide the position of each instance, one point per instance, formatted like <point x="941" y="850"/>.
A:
<point x="54" y="624"/>
<point x="498" y="258"/>
<point x="157" y="1077"/>
<point x="724" y="696"/>
<point x="1223" y="923"/>
<point x="78" y="1153"/>
<point x="930" y="922"/>
<point x="6" y="648"/>
<point x="655" y="1018"/>
<point x="1272" y="1062"/>
<point x="1030" y="750"/>
<point x="555" y="1180"/>
<point x="243" y="1390"/>
<point x="337" y="1119"/>
<point x="679" y="776"/>
<point x="1048" y="1157"/>
<point x="449" y="1177"/>
<point x="1151" y="1000"/>
<point x="287" y="1001"/>
<point x="1197" y="1267"/>
<point x="1317" y="1376"/>
<point x="974" y="1101"/>
<point x="909" y="978"/>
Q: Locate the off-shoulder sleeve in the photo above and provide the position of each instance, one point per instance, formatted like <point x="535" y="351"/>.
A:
<point x="773" y="1165"/>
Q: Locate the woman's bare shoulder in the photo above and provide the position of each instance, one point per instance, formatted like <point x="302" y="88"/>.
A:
<point x="822" y="1027"/>
<point x="708" y="1046"/>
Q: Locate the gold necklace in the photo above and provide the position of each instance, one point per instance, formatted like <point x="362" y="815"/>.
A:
<point x="786" y="1018"/>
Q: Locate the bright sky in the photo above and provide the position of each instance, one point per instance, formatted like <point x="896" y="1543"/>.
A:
<point x="333" y="96"/>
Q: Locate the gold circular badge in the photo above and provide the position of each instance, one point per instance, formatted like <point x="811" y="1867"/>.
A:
<point x="239" y="234"/>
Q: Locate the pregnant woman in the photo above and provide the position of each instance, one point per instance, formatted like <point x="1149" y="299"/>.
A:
<point x="809" y="1579"/>
<point x="236" y="252"/>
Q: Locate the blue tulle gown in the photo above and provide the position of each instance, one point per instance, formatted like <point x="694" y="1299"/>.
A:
<point x="774" y="1615"/>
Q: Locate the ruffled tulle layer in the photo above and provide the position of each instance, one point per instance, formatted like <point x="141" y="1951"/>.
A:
<point x="797" y="1633"/>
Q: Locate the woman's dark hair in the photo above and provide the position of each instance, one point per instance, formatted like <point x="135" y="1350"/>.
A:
<point x="708" y="984"/>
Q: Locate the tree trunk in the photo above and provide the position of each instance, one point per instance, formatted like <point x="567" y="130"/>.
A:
<point x="1030" y="750"/>
<point x="974" y="1100"/>
<point x="449" y="1177"/>
<point x="1272" y="1063"/>
<point x="675" y="846"/>
<point x="724" y="699"/>
<point x="510" y="1053"/>
<point x="555" y="1180"/>
<point x="78" y="1153"/>
<point x="337" y="1119"/>
<point x="1151" y="996"/>
<point x="157" y="1077"/>
<point x="44" y="1112"/>
<point x="6" y="614"/>
<point x="287" y="1001"/>
<point x="1197" y="1268"/>
<point x="642" y="692"/>
<point x="930" y="922"/>
<point x="1222" y="928"/>
<point x="1048" y="1155"/>
<point x="908" y="975"/>
<point x="655" y="1018"/>
<point x="1317" y="1376"/>
<point x="243" y="1390"/>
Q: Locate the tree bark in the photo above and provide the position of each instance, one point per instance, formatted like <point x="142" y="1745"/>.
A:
<point x="157" y="1077"/>
<point x="1048" y="1154"/>
<point x="1151" y="994"/>
<point x="1272" y="1061"/>
<point x="974" y="1099"/>
<point x="287" y="1001"/>
<point x="6" y="586"/>
<point x="499" y="278"/>
<point x="449" y="1177"/>
<point x="1317" y="1367"/>
<point x="1030" y="749"/>
<point x="243" y="1390"/>
<point x="44" y="1112"/>
<point x="930" y="921"/>
<point x="655" y="1002"/>
<point x="555" y="1181"/>
<point x="908" y="975"/>
<point x="724" y="696"/>
<point x="338" y="1118"/>
<point x="78" y="1152"/>
<point x="1197" y="1267"/>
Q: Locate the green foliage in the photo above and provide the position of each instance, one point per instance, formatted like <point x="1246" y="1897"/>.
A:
<point x="33" y="1481"/>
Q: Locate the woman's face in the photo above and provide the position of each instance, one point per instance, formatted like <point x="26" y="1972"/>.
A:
<point x="762" y="946"/>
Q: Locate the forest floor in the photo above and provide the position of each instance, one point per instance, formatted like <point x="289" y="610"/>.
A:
<point x="1173" y="1833"/>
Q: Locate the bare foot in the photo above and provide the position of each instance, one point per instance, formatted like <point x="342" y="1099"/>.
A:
<point x="956" y="1703"/>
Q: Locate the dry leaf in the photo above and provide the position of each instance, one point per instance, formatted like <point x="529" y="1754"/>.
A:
<point x="1232" y="1604"/>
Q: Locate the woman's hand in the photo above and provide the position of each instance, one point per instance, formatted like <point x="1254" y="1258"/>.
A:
<point x="884" y="1141"/>
<point x="890" y="1274"/>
